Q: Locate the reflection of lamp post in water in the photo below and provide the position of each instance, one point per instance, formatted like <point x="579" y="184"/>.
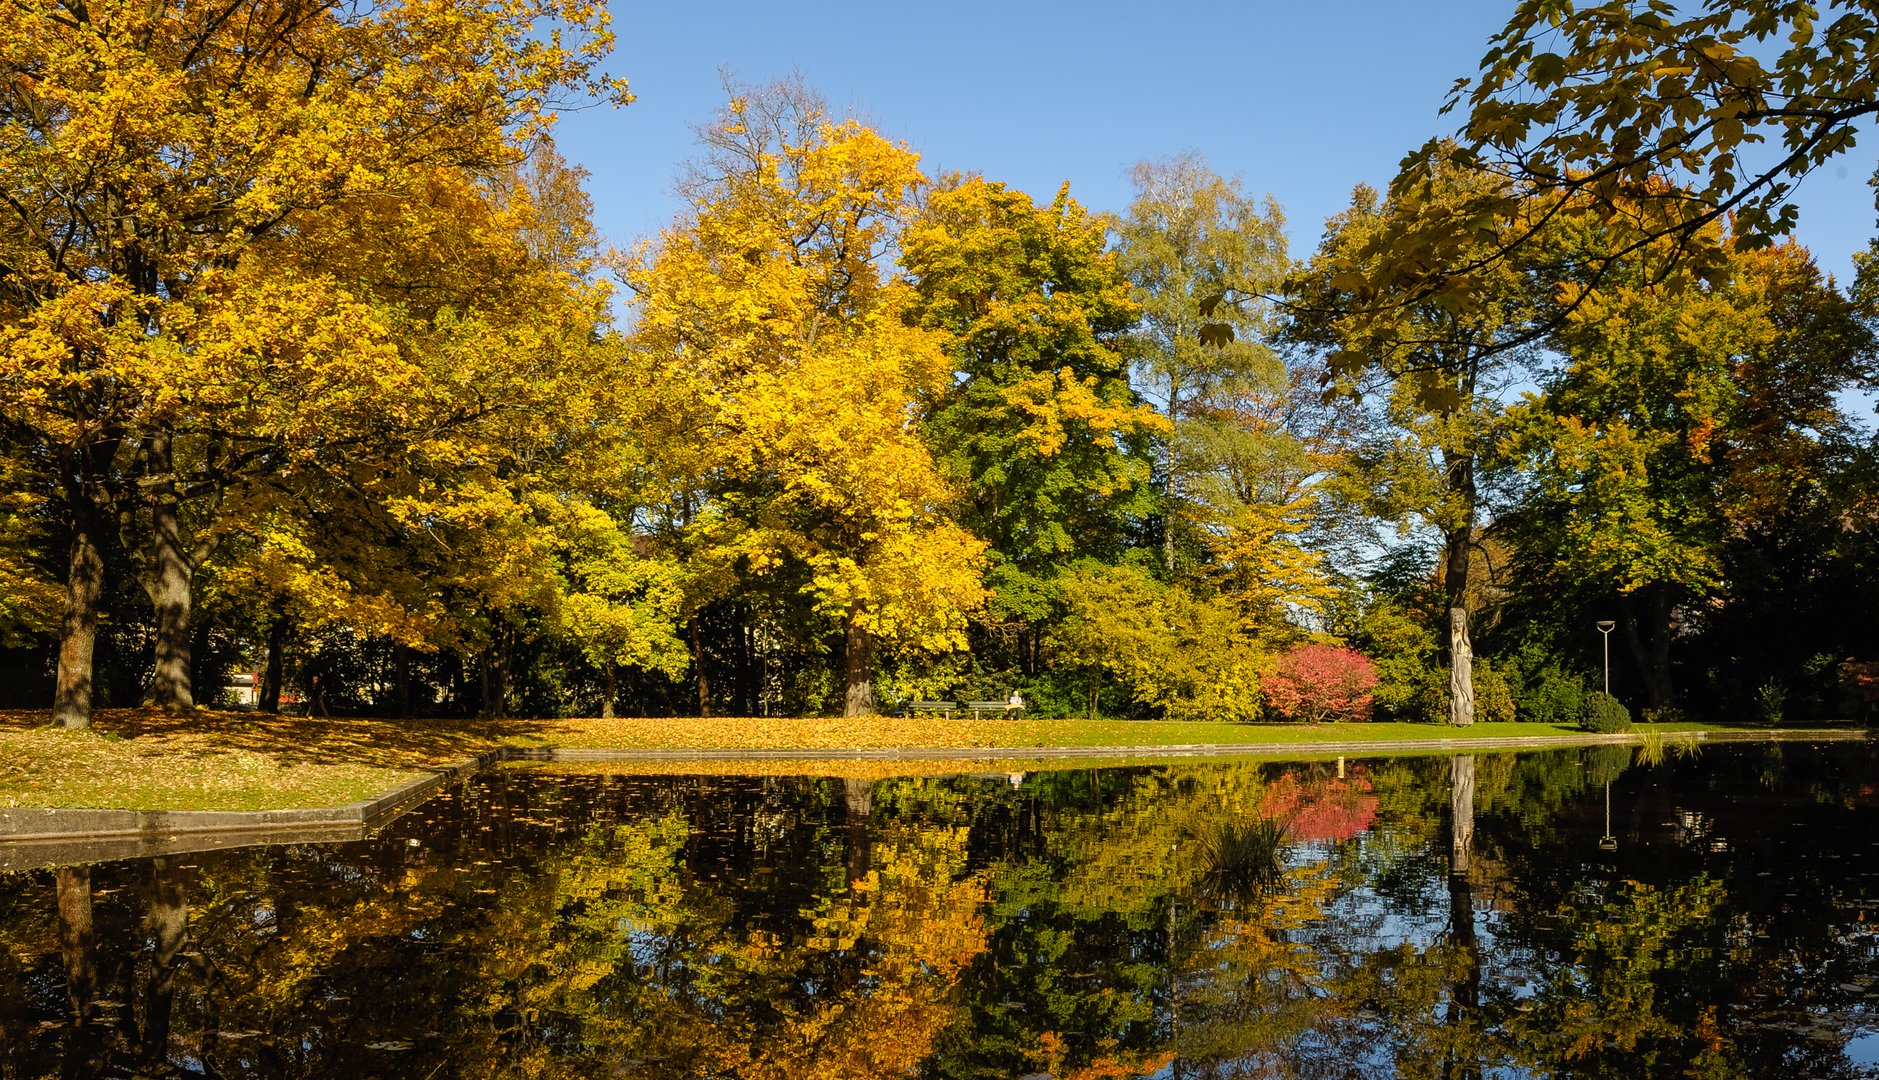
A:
<point x="1608" y="842"/>
<point x="1605" y="628"/>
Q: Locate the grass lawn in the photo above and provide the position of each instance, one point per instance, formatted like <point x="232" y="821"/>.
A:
<point x="886" y="732"/>
<point x="142" y="759"/>
<point x="136" y="759"/>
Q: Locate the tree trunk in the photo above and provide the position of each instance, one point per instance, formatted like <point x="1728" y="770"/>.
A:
<point x="698" y="666"/>
<point x="201" y="652"/>
<point x="168" y="582"/>
<point x="404" y="680"/>
<point x="78" y="630"/>
<point x="753" y="674"/>
<point x="168" y="922"/>
<point x="1648" y="635"/>
<point x="495" y="682"/>
<point x="608" y="691"/>
<point x="276" y="664"/>
<point x="1458" y="549"/>
<point x="857" y="670"/>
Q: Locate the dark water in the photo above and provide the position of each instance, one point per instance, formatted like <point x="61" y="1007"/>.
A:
<point x="1473" y="917"/>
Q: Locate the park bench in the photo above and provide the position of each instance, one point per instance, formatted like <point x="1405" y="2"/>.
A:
<point x="975" y="709"/>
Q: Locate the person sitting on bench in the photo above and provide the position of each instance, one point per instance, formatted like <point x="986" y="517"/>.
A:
<point x="1014" y="706"/>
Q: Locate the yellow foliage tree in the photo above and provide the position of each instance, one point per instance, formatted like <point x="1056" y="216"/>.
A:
<point x="774" y="350"/>
<point x="169" y="175"/>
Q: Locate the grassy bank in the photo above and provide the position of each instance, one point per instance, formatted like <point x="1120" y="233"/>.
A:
<point x="134" y="759"/>
<point x="885" y="732"/>
<point x="141" y="759"/>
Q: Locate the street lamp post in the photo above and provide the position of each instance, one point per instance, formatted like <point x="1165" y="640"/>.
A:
<point x="1605" y="627"/>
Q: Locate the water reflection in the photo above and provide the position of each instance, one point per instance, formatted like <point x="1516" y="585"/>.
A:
<point x="1425" y="918"/>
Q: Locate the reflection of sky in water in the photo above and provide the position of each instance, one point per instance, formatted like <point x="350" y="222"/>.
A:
<point x="1863" y="1047"/>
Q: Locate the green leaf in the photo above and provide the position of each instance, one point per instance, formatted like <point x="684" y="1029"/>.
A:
<point x="1440" y="398"/>
<point x="1546" y="69"/>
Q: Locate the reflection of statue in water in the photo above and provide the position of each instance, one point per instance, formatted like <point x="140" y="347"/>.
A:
<point x="1465" y="992"/>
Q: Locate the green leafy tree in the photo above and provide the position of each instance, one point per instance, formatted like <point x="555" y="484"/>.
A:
<point x="1187" y="231"/>
<point x="1682" y="417"/>
<point x="620" y="607"/>
<point x="1038" y="428"/>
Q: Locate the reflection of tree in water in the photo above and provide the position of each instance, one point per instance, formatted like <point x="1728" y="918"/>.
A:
<point x="512" y="938"/>
<point x="1320" y="807"/>
<point x="117" y="1008"/>
<point x="1085" y="923"/>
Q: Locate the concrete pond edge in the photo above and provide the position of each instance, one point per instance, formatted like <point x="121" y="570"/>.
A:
<point x="37" y="837"/>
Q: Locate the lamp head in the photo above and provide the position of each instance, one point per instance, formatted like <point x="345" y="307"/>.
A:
<point x="1605" y="626"/>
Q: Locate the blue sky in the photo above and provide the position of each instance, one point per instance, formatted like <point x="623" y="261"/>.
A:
<point x="1302" y="100"/>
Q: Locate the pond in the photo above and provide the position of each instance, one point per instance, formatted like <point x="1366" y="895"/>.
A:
<point x="1572" y="913"/>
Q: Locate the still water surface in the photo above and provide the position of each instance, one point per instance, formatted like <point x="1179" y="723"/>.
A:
<point x="1430" y="917"/>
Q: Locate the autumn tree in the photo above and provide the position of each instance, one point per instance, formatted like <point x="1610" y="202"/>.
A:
<point x="29" y="597"/>
<point x="1037" y="425"/>
<point x="1187" y="231"/>
<point x="1169" y="650"/>
<point x="770" y="327"/>
<point x="1437" y="371"/>
<point x="411" y="500"/>
<point x="1657" y="123"/>
<point x="1315" y="682"/>
<point x="157" y="346"/>
<point x="1683" y="417"/>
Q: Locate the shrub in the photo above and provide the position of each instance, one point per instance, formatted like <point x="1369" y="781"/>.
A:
<point x="1431" y="700"/>
<point x="1401" y="648"/>
<point x="1493" y="698"/>
<point x="1604" y="713"/>
<point x="1771" y="701"/>
<point x="1552" y="697"/>
<point x="1322" y="682"/>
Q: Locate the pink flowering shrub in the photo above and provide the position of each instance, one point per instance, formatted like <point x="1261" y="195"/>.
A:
<point x="1316" y="683"/>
